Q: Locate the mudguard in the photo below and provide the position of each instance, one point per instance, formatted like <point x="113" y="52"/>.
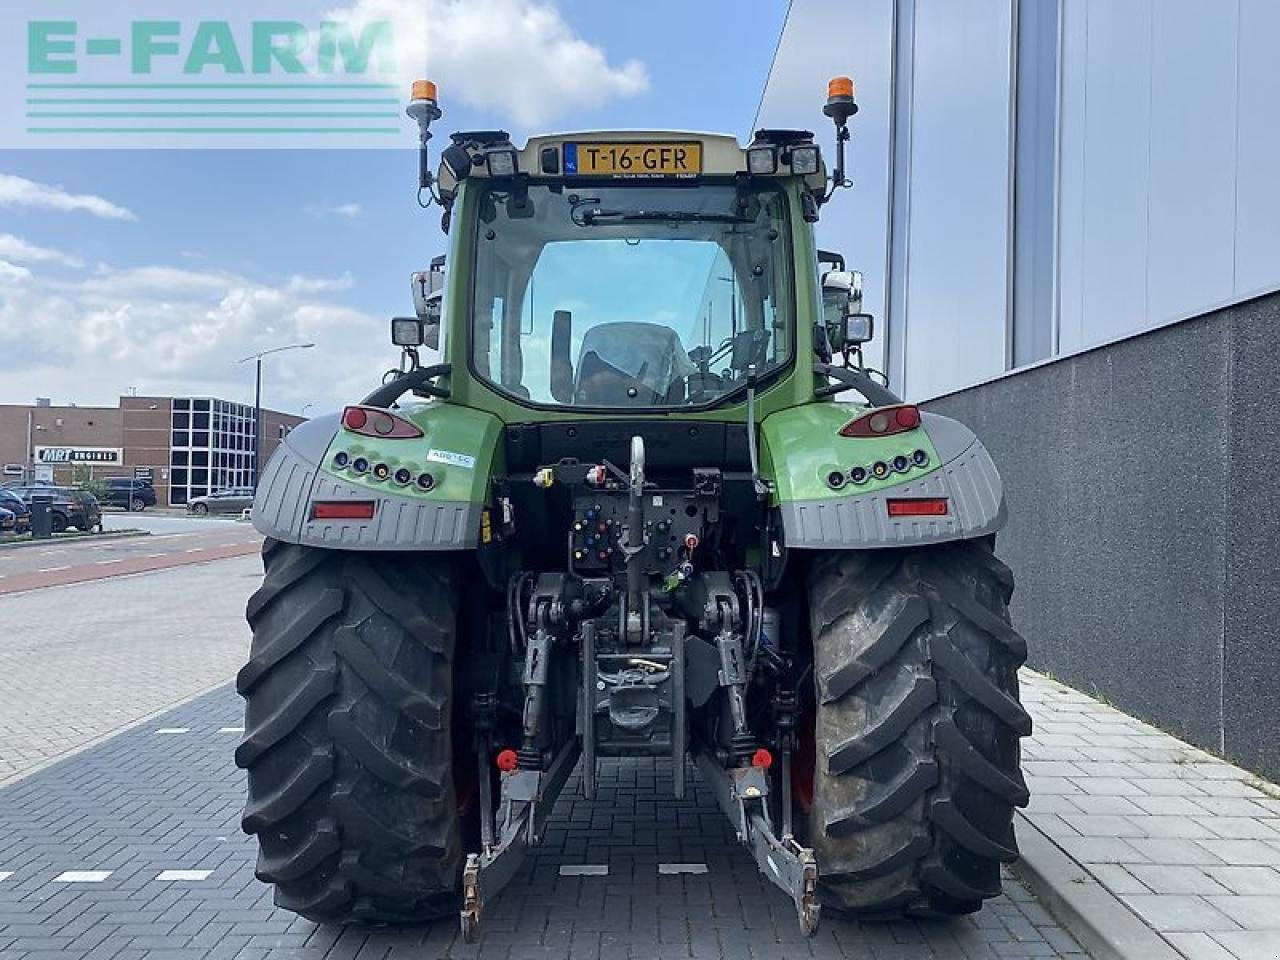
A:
<point x="801" y="448"/>
<point x="458" y="448"/>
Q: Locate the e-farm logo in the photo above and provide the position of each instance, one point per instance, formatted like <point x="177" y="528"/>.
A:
<point x="257" y="82"/>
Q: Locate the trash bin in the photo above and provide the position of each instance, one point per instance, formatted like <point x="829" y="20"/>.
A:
<point x="41" y="516"/>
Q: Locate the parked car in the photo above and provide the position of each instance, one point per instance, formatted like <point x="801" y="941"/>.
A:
<point x="14" y="504"/>
<point x="8" y="522"/>
<point x="232" y="500"/>
<point x="71" y="508"/>
<point x="129" y="493"/>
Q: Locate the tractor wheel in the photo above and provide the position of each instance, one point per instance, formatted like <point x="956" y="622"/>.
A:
<point x="347" y="741"/>
<point x="917" y="727"/>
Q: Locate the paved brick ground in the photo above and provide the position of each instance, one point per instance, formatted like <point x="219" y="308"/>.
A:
<point x="78" y="662"/>
<point x="1189" y="842"/>
<point x="149" y="801"/>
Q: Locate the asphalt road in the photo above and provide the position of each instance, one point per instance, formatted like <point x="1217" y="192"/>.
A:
<point x="170" y="542"/>
<point x="119" y="810"/>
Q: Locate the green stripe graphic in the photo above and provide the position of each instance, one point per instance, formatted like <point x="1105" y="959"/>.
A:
<point x="381" y="101"/>
<point x="279" y="85"/>
<point x="213" y="115"/>
<point x="392" y="130"/>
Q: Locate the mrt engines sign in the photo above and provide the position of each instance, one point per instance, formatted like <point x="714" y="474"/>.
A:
<point x="103" y="456"/>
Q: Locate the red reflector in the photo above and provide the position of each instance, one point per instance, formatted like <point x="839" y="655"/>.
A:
<point x="342" y="510"/>
<point x="762" y="758"/>
<point x="506" y="760"/>
<point x="921" y="507"/>
<point x="884" y="422"/>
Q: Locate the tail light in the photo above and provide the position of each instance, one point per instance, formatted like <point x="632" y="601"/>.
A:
<point x="342" y="510"/>
<point x="883" y="422"/>
<point x="372" y="422"/>
<point x="918" y="507"/>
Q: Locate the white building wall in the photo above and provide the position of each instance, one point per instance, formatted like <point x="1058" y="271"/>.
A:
<point x="1168" y="116"/>
<point x="1164" y="185"/>
<point x="956" y="253"/>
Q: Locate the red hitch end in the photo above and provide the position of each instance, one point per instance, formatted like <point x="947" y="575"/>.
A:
<point x="762" y="758"/>
<point x="506" y="760"/>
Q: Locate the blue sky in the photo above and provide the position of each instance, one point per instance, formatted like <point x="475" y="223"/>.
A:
<point x="200" y="257"/>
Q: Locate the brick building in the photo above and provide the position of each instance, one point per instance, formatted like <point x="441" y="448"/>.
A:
<point x="188" y="446"/>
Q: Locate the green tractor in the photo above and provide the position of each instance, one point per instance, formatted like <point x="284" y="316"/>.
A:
<point x="651" y="503"/>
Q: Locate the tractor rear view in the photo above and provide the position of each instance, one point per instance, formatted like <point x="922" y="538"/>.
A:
<point x="649" y="503"/>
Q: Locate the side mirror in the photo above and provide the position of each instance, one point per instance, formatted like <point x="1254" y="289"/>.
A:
<point x="423" y="284"/>
<point x="431" y="322"/>
<point x="843" y="286"/>
<point x="428" y="294"/>
<point x="561" y="365"/>
<point x="841" y="301"/>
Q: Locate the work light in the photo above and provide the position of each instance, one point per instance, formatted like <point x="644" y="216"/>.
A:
<point x="502" y="162"/>
<point x="406" y="331"/>
<point x="762" y="160"/>
<point x="804" y="160"/>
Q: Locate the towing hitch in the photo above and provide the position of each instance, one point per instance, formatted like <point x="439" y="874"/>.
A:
<point x="743" y="793"/>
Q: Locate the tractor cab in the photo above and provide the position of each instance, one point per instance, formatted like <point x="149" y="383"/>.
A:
<point x="626" y="271"/>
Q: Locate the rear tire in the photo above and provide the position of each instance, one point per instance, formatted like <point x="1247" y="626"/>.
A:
<point x="348" y="742"/>
<point x="917" y="729"/>
<point x="58" y="523"/>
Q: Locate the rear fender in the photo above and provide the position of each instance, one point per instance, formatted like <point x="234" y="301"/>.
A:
<point x="802" y="447"/>
<point x="458" y="448"/>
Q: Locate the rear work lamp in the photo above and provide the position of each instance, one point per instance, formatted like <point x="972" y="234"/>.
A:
<point x="406" y="331"/>
<point x="805" y="160"/>
<point x="501" y="163"/>
<point x="762" y="161"/>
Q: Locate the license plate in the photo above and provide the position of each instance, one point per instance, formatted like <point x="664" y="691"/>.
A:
<point x="633" y="159"/>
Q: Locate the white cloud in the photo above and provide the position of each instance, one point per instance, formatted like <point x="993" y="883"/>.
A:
<point x="520" y="58"/>
<point x="15" y="248"/>
<point x="20" y="192"/>
<point x="163" y="329"/>
<point x="301" y="284"/>
<point x="12" y="272"/>
<point x="348" y="210"/>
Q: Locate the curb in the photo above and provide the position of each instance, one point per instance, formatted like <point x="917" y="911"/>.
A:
<point x="77" y="538"/>
<point x="1103" y="925"/>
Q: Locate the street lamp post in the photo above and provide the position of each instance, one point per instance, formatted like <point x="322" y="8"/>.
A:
<point x="257" y="401"/>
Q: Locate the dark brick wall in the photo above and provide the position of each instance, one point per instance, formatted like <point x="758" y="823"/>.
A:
<point x="1143" y="481"/>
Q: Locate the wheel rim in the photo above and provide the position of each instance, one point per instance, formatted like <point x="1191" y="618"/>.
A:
<point x="200" y="508"/>
<point x="138" y="505"/>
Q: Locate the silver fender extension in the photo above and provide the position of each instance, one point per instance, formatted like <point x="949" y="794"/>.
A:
<point x="293" y="479"/>
<point x="967" y="479"/>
